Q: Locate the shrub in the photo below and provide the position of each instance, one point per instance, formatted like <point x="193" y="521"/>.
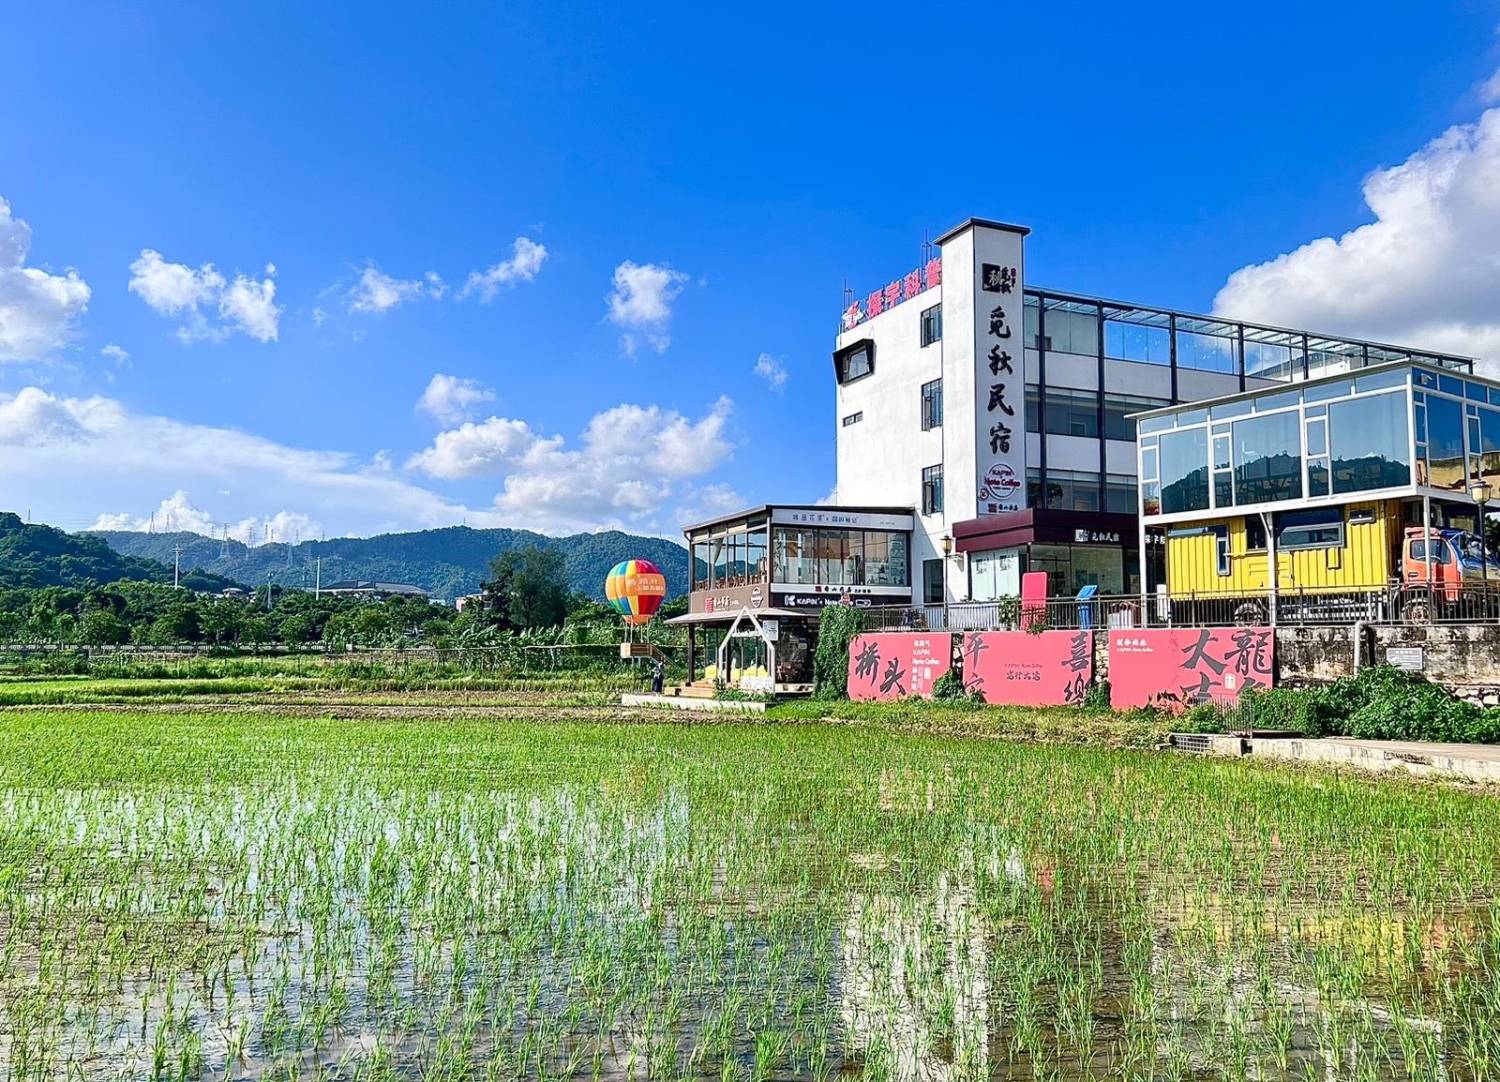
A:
<point x="1381" y="703"/>
<point x="837" y="627"/>
<point x="1096" y="698"/>
<point x="949" y="688"/>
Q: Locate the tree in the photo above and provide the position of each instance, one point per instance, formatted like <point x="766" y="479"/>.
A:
<point x="101" y="627"/>
<point x="527" y="587"/>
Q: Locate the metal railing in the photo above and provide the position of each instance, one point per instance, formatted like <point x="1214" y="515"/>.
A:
<point x="1395" y="604"/>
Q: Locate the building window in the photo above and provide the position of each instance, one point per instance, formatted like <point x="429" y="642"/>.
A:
<point x="932" y="490"/>
<point x="932" y="325"/>
<point x="1221" y="548"/>
<point x="854" y="418"/>
<point x="932" y="405"/>
<point x="1143" y="342"/>
<point x="806" y="557"/>
<point x="854" y="362"/>
<point x="1268" y="458"/>
<point x="1119" y="493"/>
<point x="1118" y="407"/>
<point x="1066" y="490"/>
<point x="1072" y="412"/>
<point x="932" y="582"/>
<point x="1322" y="528"/>
<point x="1072" y="328"/>
<point x="1371" y="443"/>
<point x="1033" y="408"/>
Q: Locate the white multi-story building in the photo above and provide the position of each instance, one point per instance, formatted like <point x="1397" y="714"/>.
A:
<point x="1000" y="413"/>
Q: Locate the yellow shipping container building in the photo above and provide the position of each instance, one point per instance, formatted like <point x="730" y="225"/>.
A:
<point x="1229" y="556"/>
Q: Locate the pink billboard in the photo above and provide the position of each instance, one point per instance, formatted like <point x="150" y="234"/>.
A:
<point x="897" y="664"/>
<point x="1181" y="667"/>
<point x="1019" y="668"/>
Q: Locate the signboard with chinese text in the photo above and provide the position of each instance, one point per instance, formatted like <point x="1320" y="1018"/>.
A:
<point x="894" y="665"/>
<point x="1181" y="667"/>
<point x="1018" y="668"/>
<point x="999" y="372"/>
<point x="893" y="293"/>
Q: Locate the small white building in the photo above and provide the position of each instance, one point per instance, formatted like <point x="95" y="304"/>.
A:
<point x="1000" y="412"/>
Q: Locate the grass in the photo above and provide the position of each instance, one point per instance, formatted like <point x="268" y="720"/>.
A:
<point x="208" y="895"/>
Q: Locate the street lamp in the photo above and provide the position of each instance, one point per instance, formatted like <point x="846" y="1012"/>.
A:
<point x="1479" y="492"/>
<point x="947" y="543"/>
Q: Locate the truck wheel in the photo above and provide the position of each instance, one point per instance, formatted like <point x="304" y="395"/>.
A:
<point x="1250" y="614"/>
<point x="1416" y="610"/>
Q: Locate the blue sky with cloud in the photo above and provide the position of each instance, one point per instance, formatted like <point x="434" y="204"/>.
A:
<point x="289" y="270"/>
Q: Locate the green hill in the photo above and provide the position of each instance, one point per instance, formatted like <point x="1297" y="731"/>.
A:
<point x="447" y="562"/>
<point x="36" y="556"/>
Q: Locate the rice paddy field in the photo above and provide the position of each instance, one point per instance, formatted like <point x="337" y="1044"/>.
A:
<point x="210" y="895"/>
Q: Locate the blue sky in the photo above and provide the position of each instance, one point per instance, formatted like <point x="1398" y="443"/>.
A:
<point x="652" y="200"/>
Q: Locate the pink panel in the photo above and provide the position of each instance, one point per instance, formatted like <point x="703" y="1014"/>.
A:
<point x="1017" y="668"/>
<point x="1179" y="667"/>
<point x="895" y="664"/>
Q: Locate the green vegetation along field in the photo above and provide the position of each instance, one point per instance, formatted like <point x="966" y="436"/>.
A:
<point x="210" y="895"/>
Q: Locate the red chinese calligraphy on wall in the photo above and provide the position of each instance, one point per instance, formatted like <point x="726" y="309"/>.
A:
<point x="1180" y="667"/>
<point x="1017" y="668"/>
<point x="897" y="664"/>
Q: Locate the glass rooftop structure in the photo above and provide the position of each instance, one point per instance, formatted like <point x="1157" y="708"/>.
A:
<point x="1390" y="430"/>
<point x="1070" y="322"/>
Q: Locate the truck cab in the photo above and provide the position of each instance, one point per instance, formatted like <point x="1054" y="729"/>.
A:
<point x="1444" y="562"/>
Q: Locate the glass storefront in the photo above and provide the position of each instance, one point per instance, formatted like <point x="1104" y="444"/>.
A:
<point x="735" y="558"/>
<point x="807" y="557"/>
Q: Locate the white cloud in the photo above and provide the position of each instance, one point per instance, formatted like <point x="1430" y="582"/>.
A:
<point x="318" y="316"/>
<point x="771" y="370"/>
<point x="38" y="310"/>
<point x="642" y="300"/>
<point x="68" y="458"/>
<point x="118" y="354"/>
<point x="32" y="418"/>
<point x="177" y="514"/>
<point x="632" y="464"/>
<point x="451" y="399"/>
<point x="476" y="450"/>
<point x="1425" y="273"/>
<point x="527" y="257"/>
<point x="210" y="307"/>
<point x="378" y="292"/>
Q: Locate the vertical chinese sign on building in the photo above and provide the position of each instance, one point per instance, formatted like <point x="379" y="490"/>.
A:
<point x="999" y="371"/>
<point x="1181" y="667"/>
<point x="892" y="666"/>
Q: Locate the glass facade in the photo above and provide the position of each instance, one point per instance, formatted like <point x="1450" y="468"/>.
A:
<point x="1069" y="490"/>
<point x="1370" y="443"/>
<point x="735" y="558"/>
<point x="1267" y="458"/>
<point x="1183" y="471"/>
<point x="1375" y="431"/>
<point x="802" y="556"/>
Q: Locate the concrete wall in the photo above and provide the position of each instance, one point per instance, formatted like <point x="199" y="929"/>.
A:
<point x="1465" y="658"/>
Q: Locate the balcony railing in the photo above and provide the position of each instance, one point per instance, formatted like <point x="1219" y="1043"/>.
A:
<point x="1397" y="604"/>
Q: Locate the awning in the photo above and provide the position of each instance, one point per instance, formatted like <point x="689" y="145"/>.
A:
<point x="727" y="615"/>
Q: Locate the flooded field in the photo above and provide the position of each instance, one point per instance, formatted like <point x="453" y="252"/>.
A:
<point x="198" y="896"/>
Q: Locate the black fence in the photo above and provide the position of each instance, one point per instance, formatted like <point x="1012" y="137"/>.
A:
<point x="1393" y="604"/>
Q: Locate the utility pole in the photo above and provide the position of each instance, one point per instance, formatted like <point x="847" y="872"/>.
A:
<point x="268" y="591"/>
<point x="176" y="565"/>
<point x="318" y="580"/>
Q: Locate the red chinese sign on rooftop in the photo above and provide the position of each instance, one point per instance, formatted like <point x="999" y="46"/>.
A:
<point x="893" y="293"/>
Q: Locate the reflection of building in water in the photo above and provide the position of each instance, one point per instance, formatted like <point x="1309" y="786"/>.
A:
<point x="915" y="983"/>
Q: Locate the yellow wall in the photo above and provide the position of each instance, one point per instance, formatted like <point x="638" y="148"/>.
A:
<point x="1364" y="561"/>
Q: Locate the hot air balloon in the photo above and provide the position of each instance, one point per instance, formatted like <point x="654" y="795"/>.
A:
<point x="636" y="588"/>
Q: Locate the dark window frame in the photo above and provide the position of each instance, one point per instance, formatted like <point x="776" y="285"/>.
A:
<point x="853" y="418"/>
<point x="841" y="358"/>
<point x="931" y="325"/>
<point x="932" y="404"/>
<point x="932" y="489"/>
